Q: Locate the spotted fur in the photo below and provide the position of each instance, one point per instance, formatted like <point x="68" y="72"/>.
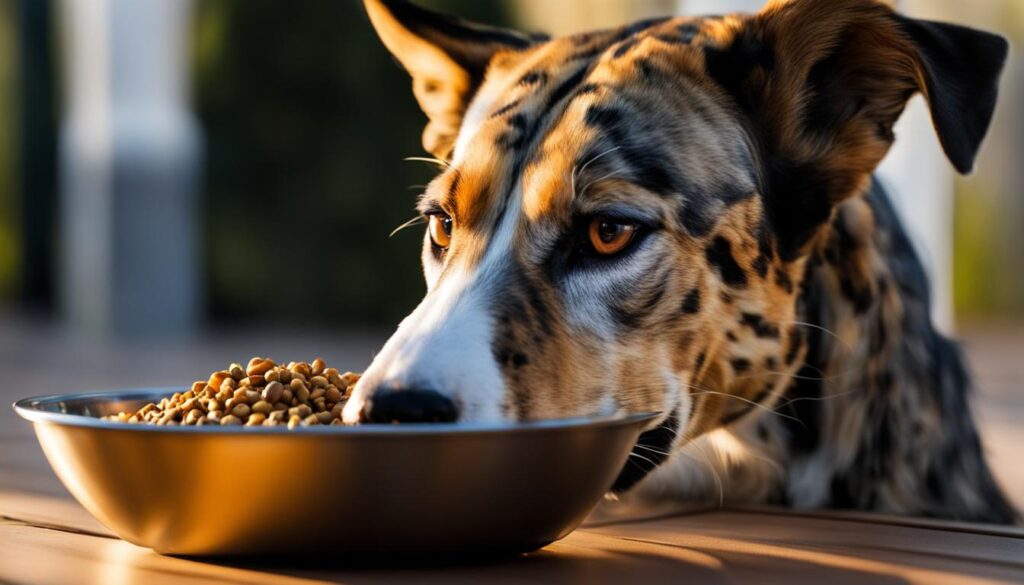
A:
<point x="769" y="306"/>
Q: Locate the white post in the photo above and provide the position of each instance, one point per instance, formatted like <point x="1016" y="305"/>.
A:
<point x="129" y="156"/>
<point x="919" y="180"/>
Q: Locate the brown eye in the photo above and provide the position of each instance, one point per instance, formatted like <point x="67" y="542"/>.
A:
<point x="440" y="229"/>
<point x="609" y="236"/>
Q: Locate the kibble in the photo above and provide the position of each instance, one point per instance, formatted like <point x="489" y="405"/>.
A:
<point x="272" y="392"/>
<point x="263" y="393"/>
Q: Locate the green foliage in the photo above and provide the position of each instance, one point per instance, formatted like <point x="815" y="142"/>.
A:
<point x="10" y="253"/>
<point x="307" y="120"/>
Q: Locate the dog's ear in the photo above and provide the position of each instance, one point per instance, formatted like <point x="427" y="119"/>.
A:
<point x="824" y="81"/>
<point x="445" y="56"/>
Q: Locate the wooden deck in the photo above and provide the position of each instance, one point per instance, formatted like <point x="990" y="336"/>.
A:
<point x="46" y="537"/>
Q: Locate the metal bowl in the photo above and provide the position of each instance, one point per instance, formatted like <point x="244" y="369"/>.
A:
<point x="416" y="488"/>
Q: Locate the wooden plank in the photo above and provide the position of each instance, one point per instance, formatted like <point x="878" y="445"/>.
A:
<point x="50" y="512"/>
<point x="915" y="553"/>
<point x="51" y="540"/>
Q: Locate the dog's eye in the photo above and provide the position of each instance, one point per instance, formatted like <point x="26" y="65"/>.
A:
<point x="609" y="236"/>
<point x="440" y="228"/>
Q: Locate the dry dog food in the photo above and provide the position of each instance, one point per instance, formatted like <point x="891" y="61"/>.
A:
<point x="261" y="394"/>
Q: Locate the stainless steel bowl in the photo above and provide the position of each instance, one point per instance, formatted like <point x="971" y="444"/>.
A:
<point x="417" y="488"/>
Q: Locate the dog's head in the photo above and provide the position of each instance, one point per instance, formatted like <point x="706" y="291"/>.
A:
<point x="623" y="216"/>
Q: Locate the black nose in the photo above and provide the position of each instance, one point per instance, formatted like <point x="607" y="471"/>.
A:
<point x="409" y="405"/>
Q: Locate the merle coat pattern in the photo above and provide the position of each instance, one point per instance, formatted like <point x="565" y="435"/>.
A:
<point x="679" y="215"/>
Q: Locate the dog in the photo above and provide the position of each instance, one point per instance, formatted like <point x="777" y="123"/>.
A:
<point x="680" y="216"/>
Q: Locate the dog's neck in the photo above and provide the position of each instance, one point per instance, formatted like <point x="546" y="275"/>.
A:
<point x="880" y="411"/>
<point x="877" y="417"/>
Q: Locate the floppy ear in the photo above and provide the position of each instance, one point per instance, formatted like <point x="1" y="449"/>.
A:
<point x="445" y="56"/>
<point x="825" y="81"/>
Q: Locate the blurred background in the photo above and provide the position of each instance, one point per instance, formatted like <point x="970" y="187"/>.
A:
<point x="184" y="184"/>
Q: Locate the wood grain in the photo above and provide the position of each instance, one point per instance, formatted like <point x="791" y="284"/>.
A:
<point x="52" y="540"/>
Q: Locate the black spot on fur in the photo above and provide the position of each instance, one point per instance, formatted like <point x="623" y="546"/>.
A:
<point x="518" y="121"/>
<point x="624" y="47"/>
<point x="731" y="66"/>
<point x="725" y="296"/>
<point x="631" y="316"/>
<point x="691" y="304"/>
<point x="568" y="85"/>
<point x="695" y="219"/>
<point x="587" y="53"/>
<point x="534" y="78"/>
<point x="519" y="360"/>
<point x="761" y="327"/>
<point x="740" y="365"/>
<point x="684" y="35"/>
<point x="699" y="362"/>
<point x="505" y="109"/>
<point x="428" y="22"/>
<point x="647" y="70"/>
<point x="649" y="169"/>
<point x="765" y="251"/>
<point x="784" y="281"/>
<point x="760" y="266"/>
<point x="640" y="25"/>
<point x="515" y="138"/>
<point x="645" y="161"/>
<point x="588" y="88"/>
<point x="860" y="296"/>
<point x="798" y="201"/>
<point x="719" y="255"/>
<point x="688" y="31"/>
<point x="604" y="118"/>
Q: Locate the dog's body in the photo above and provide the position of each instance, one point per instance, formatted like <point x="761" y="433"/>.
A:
<point x="877" y="417"/>
<point x="679" y="216"/>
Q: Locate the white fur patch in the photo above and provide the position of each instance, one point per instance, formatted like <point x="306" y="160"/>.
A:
<point x="445" y="344"/>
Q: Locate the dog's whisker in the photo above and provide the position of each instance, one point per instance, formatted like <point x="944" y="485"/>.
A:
<point x="575" y="172"/>
<point x="427" y="159"/>
<point x="414" y="221"/>
<point x="823" y="329"/>
<point x="818" y="398"/>
<point x="796" y="376"/>
<point x="598" y="180"/>
<point x="714" y="472"/>
<point x="752" y="403"/>
<point x="638" y="456"/>
<point x="653" y="450"/>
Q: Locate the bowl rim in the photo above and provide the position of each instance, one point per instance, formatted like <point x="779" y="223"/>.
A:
<point x="30" y="409"/>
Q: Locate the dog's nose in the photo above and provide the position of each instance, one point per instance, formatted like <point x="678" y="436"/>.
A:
<point x="409" y="405"/>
